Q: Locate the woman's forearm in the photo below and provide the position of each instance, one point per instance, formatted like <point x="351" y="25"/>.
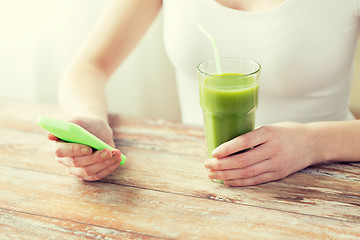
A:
<point x="82" y="92"/>
<point x="117" y="31"/>
<point x="337" y="141"/>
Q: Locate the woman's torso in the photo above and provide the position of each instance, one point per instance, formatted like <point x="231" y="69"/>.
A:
<point x="305" y="47"/>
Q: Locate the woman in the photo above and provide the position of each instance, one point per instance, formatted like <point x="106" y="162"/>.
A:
<point x="305" y="47"/>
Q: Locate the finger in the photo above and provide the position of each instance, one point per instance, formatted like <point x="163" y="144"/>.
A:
<point x="241" y="160"/>
<point x="52" y="137"/>
<point x="117" y="152"/>
<point x="259" y="179"/>
<point x="243" y="142"/>
<point x="103" y="173"/>
<point x="92" y="169"/>
<point x="65" y="149"/>
<point x="82" y="161"/>
<point x="242" y="173"/>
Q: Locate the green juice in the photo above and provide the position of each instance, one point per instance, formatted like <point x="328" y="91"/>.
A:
<point x="229" y="102"/>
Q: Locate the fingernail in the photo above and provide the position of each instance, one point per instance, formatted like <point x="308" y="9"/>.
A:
<point x="212" y="175"/>
<point x="105" y="155"/>
<point x="215" y="152"/>
<point x="116" y="152"/>
<point x="207" y="163"/>
<point x="85" y="150"/>
<point x="229" y="182"/>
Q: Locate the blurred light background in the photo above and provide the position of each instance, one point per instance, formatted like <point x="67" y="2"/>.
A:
<point x="39" y="37"/>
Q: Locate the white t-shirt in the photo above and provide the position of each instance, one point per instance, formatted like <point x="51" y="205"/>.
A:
<point x="305" y="47"/>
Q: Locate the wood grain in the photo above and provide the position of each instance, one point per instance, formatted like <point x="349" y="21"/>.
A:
<point x="21" y="225"/>
<point x="308" y="192"/>
<point x="163" y="190"/>
<point x="155" y="213"/>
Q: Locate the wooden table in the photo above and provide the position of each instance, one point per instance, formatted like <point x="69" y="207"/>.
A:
<point x="162" y="192"/>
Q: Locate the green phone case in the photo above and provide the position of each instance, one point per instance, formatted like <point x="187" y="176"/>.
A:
<point x="71" y="132"/>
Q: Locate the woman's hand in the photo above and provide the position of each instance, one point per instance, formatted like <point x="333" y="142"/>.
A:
<point x="275" y="151"/>
<point x="81" y="160"/>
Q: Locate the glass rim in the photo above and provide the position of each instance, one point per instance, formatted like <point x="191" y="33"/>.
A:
<point x="229" y="58"/>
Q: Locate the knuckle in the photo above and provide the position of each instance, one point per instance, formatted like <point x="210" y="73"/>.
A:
<point x="86" y="171"/>
<point x="249" y="171"/>
<point x="75" y="149"/>
<point x="276" y="148"/>
<point x="241" y="141"/>
<point x="245" y="141"/>
<point x="281" y="173"/>
<point x="110" y="162"/>
<point x="280" y="170"/>
<point x="221" y="175"/>
<point x="259" y="179"/>
<point x="218" y="165"/>
<point x="58" y="152"/>
<point x="75" y="162"/>
<point x="97" y="156"/>
<point x="226" y="175"/>
<point x="243" y="160"/>
<point x="240" y="161"/>
<point x="265" y="129"/>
